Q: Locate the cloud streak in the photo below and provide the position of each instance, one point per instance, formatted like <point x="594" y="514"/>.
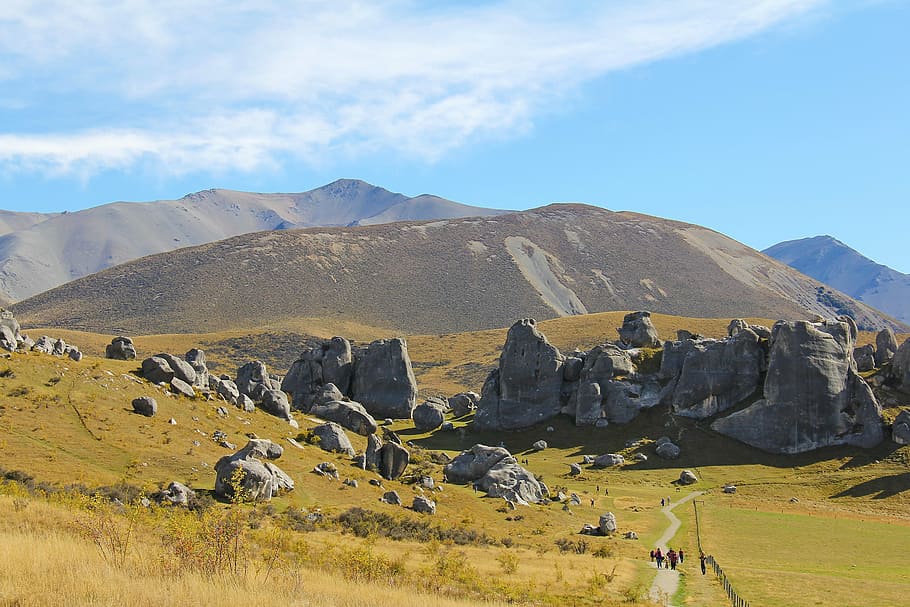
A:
<point x="220" y="85"/>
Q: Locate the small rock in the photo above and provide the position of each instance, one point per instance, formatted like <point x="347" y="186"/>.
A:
<point x="350" y="482"/>
<point x="391" y="497"/>
<point x="327" y="469"/>
<point x="609" y="459"/>
<point x="172" y="421"/>
<point x="539" y="445"/>
<point x="729" y="488"/>
<point x="687" y="477"/>
<point x="574" y="469"/>
<point x="630" y="535"/>
<point x="145" y="405"/>
<point x="424" y="505"/>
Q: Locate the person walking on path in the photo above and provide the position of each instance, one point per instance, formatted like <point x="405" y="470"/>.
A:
<point x="652" y="556"/>
<point x="673" y="558"/>
<point x="661" y="502"/>
<point x="682" y="555"/>
<point x="703" y="558"/>
<point x="659" y="557"/>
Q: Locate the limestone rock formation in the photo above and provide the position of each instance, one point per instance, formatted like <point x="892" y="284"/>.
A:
<point x="423" y="505"/>
<point x="258" y="479"/>
<point x="864" y="357"/>
<point x="609" y="459"/>
<point x="157" y="370"/>
<point x="495" y="471"/>
<point x="687" y="477"/>
<point x="526" y="387"/>
<point x="181" y="387"/>
<point x="349" y="414"/>
<point x="176" y="494"/>
<point x="120" y="348"/>
<point x="470" y="465"/>
<point x="196" y="359"/>
<point x="145" y="405"/>
<point x="332" y="438"/>
<point x="182" y="369"/>
<point x="885" y="346"/>
<point x="900" y="430"/>
<point x="638" y="331"/>
<point x="390" y="459"/>
<point x="430" y="414"/>
<point x="900" y="366"/>
<point x="607" y="523"/>
<point x="813" y="396"/>
<point x="383" y="380"/>
<point x="463" y="403"/>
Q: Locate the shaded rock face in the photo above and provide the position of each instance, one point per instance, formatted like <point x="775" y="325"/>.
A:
<point x="885" y="347"/>
<point x="593" y="391"/>
<point x="638" y="331"/>
<point x="157" y="370"/>
<point x="429" y="415"/>
<point x="900" y="366"/>
<point x="495" y="471"/>
<point x="145" y="405"/>
<point x="196" y="359"/>
<point x="275" y="402"/>
<point x="716" y="375"/>
<point x="900" y="430"/>
<point x="463" y="403"/>
<point x="120" y="348"/>
<point x="389" y="459"/>
<point x="182" y="369"/>
<point x="526" y="387"/>
<point x="253" y="379"/>
<point x="384" y="381"/>
<point x="332" y="438"/>
<point x="259" y="479"/>
<point x="470" y="465"/>
<point x="813" y="396"/>
<point x="864" y="357"/>
<point x="348" y="414"/>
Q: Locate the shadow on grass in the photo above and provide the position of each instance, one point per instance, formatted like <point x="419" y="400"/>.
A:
<point x="879" y="488"/>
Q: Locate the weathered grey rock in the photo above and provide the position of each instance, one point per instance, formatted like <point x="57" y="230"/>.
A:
<point x="383" y="380"/>
<point x="574" y="500"/>
<point x="900" y="366"/>
<point x="609" y="459"/>
<point x="588" y="460"/>
<point x="463" y="403"/>
<point x="601" y="365"/>
<point x="74" y="353"/>
<point x="327" y="469"/>
<point x="373" y="454"/>
<point x="181" y="387"/>
<point x="718" y="375"/>
<point x="156" y="370"/>
<point x="259" y="480"/>
<point x="728" y="488"/>
<point x="525" y="389"/>
<point x="539" y="445"/>
<point x="275" y="402"/>
<point x="120" y="348"/>
<point x="574" y="469"/>
<point x="813" y="396"/>
<point x="885" y="347"/>
<point x="571" y="370"/>
<point x="624" y="400"/>
<point x="607" y="523"/>
<point x="864" y="357"/>
<point x="253" y="379"/>
<point x="349" y="414"/>
<point x="304" y="379"/>
<point x="145" y="405"/>
<point x="472" y="464"/>
<point x="350" y="482"/>
<point x="508" y="480"/>
<point x="196" y="359"/>
<point x="182" y="369"/>
<point x="900" y="430"/>
<point x="424" y="505"/>
<point x="447" y="427"/>
<point x="338" y="363"/>
<point x="328" y="393"/>
<point x="176" y="494"/>
<point x="332" y="438"/>
<point x="44" y="344"/>
<point x="242" y="401"/>
<point x="429" y="415"/>
<point x="668" y="450"/>
<point x="227" y="389"/>
<point x="687" y="477"/>
<point x="391" y="497"/>
<point x="393" y="460"/>
<point x="25" y="342"/>
<point x="638" y="331"/>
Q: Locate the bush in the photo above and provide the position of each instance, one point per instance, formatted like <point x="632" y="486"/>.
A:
<point x="567" y="545"/>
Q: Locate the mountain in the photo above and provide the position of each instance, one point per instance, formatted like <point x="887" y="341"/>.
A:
<point x="39" y="252"/>
<point x="443" y="276"/>
<point x="832" y="262"/>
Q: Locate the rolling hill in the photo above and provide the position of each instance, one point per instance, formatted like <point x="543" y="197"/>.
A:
<point x="39" y="252"/>
<point x="444" y="276"/>
<point x="832" y="262"/>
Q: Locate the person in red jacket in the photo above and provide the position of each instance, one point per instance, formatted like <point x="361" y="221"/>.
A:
<point x="659" y="557"/>
<point x="673" y="558"/>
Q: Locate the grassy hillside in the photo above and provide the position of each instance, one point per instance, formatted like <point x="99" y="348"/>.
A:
<point x="546" y="263"/>
<point x="70" y="423"/>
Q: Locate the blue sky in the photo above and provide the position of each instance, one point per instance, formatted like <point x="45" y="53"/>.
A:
<point x="766" y="120"/>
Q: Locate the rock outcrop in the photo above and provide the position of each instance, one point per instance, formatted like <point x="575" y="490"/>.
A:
<point x="430" y="414"/>
<point x="388" y="458"/>
<point x="331" y="437"/>
<point x="526" y="387"/>
<point x="885" y="347"/>
<point x="145" y="405"/>
<point x="349" y="414"/>
<point x="495" y="471"/>
<point x="258" y="478"/>
<point x="120" y="348"/>
<point x="864" y="357"/>
<point x="638" y="331"/>
<point x="813" y="396"/>
<point x="900" y="366"/>
<point x="900" y="429"/>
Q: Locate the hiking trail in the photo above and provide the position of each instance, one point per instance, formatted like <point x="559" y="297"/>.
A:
<point x="667" y="580"/>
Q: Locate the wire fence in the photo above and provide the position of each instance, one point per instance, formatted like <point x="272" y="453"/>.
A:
<point x="732" y="595"/>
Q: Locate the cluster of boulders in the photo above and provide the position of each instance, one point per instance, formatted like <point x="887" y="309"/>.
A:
<point x="377" y="376"/>
<point x="251" y="470"/>
<point x="120" y="348"/>
<point x="494" y="471"/>
<point x="869" y="356"/>
<point x="13" y="340"/>
<point x="793" y="388"/>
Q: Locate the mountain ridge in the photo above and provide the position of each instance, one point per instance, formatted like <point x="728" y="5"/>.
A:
<point x="831" y="261"/>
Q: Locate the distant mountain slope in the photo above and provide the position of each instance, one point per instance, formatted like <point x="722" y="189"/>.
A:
<point x="832" y="262"/>
<point x="39" y="252"/>
<point x="441" y="277"/>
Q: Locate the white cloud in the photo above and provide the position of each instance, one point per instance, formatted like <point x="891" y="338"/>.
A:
<point x="226" y="85"/>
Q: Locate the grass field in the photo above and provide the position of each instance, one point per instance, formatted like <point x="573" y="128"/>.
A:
<point x="66" y="422"/>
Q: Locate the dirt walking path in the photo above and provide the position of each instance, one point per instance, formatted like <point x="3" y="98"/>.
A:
<point x="667" y="580"/>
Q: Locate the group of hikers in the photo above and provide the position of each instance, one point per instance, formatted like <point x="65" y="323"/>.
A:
<point x="671" y="558"/>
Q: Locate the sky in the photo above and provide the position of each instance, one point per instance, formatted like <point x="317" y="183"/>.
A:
<point x="767" y="120"/>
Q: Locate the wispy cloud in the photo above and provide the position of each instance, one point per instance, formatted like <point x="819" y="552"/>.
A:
<point x="218" y="85"/>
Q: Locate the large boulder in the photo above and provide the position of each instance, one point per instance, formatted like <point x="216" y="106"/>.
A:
<point x="508" y="480"/>
<point x="813" y="396"/>
<point x="332" y="438"/>
<point x="383" y="380"/>
<point x="196" y="359"/>
<point x="155" y="369"/>
<point x="304" y="379"/>
<point x="607" y="523"/>
<point x="120" y="348"/>
<point x="182" y="369"/>
<point x="179" y="386"/>
<point x="145" y="405"/>
<point x="429" y="415"/>
<point x="864" y="357"/>
<point x="463" y="403"/>
<point x="900" y="366"/>
<point x="338" y="363"/>
<point x="601" y="365"/>
<point x="885" y="347"/>
<point x="717" y="375"/>
<point x="609" y="459"/>
<point x="525" y="389"/>
<point x="393" y="460"/>
<point x="176" y="494"/>
<point x="473" y="463"/>
<point x="638" y="331"/>
<point x="900" y="430"/>
<point x="8" y="339"/>
<point x="253" y="380"/>
<point x="275" y="402"/>
<point x="349" y="414"/>
<point x="259" y="479"/>
<point x="423" y="505"/>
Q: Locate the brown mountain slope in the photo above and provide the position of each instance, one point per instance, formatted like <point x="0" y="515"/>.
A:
<point x="442" y="276"/>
